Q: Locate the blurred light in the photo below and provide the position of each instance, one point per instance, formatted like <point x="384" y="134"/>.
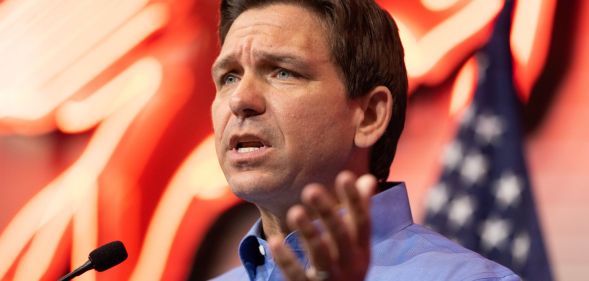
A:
<point x="85" y="232"/>
<point x="438" y="5"/>
<point x="43" y="246"/>
<point x="45" y="217"/>
<point x="39" y="93"/>
<point x="530" y="39"/>
<point x="78" y="116"/>
<point x="424" y="53"/>
<point x="464" y="87"/>
<point x="525" y="28"/>
<point x="199" y="176"/>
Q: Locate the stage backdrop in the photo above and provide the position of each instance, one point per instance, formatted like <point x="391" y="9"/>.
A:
<point x="105" y="130"/>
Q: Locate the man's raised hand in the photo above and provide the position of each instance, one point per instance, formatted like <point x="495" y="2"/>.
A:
<point x="339" y="249"/>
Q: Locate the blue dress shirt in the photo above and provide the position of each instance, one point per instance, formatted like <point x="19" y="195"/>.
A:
<point x="401" y="250"/>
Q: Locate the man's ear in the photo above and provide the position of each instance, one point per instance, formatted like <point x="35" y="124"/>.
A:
<point x="377" y="108"/>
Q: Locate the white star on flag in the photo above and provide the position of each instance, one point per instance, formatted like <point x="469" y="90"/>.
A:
<point x="438" y="197"/>
<point x="452" y="155"/>
<point x="488" y="128"/>
<point x="473" y="168"/>
<point x="521" y="248"/>
<point x="494" y="233"/>
<point x="460" y="211"/>
<point x="508" y="190"/>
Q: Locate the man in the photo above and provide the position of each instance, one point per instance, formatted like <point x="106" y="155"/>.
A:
<point x="311" y="93"/>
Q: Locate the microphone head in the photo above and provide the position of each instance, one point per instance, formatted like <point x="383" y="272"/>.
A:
<point x="108" y="255"/>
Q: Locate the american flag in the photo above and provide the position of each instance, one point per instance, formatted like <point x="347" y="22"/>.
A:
<point x="483" y="199"/>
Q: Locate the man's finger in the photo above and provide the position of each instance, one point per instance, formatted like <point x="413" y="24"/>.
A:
<point x="366" y="185"/>
<point x="363" y="190"/>
<point x="316" y="197"/>
<point x="356" y="194"/>
<point x="286" y="260"/>
<point x="319" y="253"/>
<point x="348" y="195"/>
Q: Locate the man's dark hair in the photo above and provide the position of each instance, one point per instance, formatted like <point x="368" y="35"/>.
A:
<point x="365" y="45"/>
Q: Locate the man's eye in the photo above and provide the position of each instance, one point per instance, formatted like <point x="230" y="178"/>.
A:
<point x="230" y="79"/>
<point x="284" y="74"/>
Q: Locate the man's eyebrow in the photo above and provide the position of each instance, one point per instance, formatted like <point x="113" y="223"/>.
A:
<point x="264" y="57"/>
<point x="291" y="61"/>
<point x="280" y="58"/>
<point x="221" y="64"/>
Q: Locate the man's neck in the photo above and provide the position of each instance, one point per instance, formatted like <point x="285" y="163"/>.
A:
<point x="272" y="224"/>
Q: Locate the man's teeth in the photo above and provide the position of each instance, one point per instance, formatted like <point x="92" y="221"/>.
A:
<point x="247" y="149"/>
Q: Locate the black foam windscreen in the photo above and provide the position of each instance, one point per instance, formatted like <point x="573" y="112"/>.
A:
<point x="108" y="255"/>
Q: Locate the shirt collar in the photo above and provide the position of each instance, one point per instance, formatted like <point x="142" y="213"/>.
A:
<point x="390" y="213"/>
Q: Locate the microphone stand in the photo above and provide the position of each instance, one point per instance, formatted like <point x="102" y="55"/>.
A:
<point x="78" y="271"/>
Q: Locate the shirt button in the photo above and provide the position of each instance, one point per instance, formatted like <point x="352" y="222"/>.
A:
<point x="262" y="251"/>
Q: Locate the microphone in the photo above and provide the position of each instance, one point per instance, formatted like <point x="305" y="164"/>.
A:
<point x="101" y="259"/>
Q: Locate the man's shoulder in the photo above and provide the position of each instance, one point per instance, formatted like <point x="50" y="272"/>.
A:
<point x="237" y="273"/>
<point x="417" y="253"/>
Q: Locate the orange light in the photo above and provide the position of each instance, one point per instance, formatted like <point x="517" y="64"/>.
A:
<point x="199" y="176"/>
<point x="52" y="208"/>
<point x="60" y="77"/>
<point x="85" y="231"/>
<point x="444" y="42"/>
<point x="464" y="87"/>
<point x="78" y="116"/>
<point x="438" y="5"/>
<point x="530" y="38"/>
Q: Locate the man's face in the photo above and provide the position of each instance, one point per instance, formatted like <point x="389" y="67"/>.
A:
<point x="281" y="115"/>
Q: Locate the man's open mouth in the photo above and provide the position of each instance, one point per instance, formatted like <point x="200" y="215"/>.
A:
<point x="247" y="143"/>
<point x="248" y="146"/>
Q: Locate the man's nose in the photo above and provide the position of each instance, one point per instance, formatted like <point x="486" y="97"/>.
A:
<point x="248" y="98"/>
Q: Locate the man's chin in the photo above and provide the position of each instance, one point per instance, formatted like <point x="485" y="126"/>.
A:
<point x="258" y="189"/>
